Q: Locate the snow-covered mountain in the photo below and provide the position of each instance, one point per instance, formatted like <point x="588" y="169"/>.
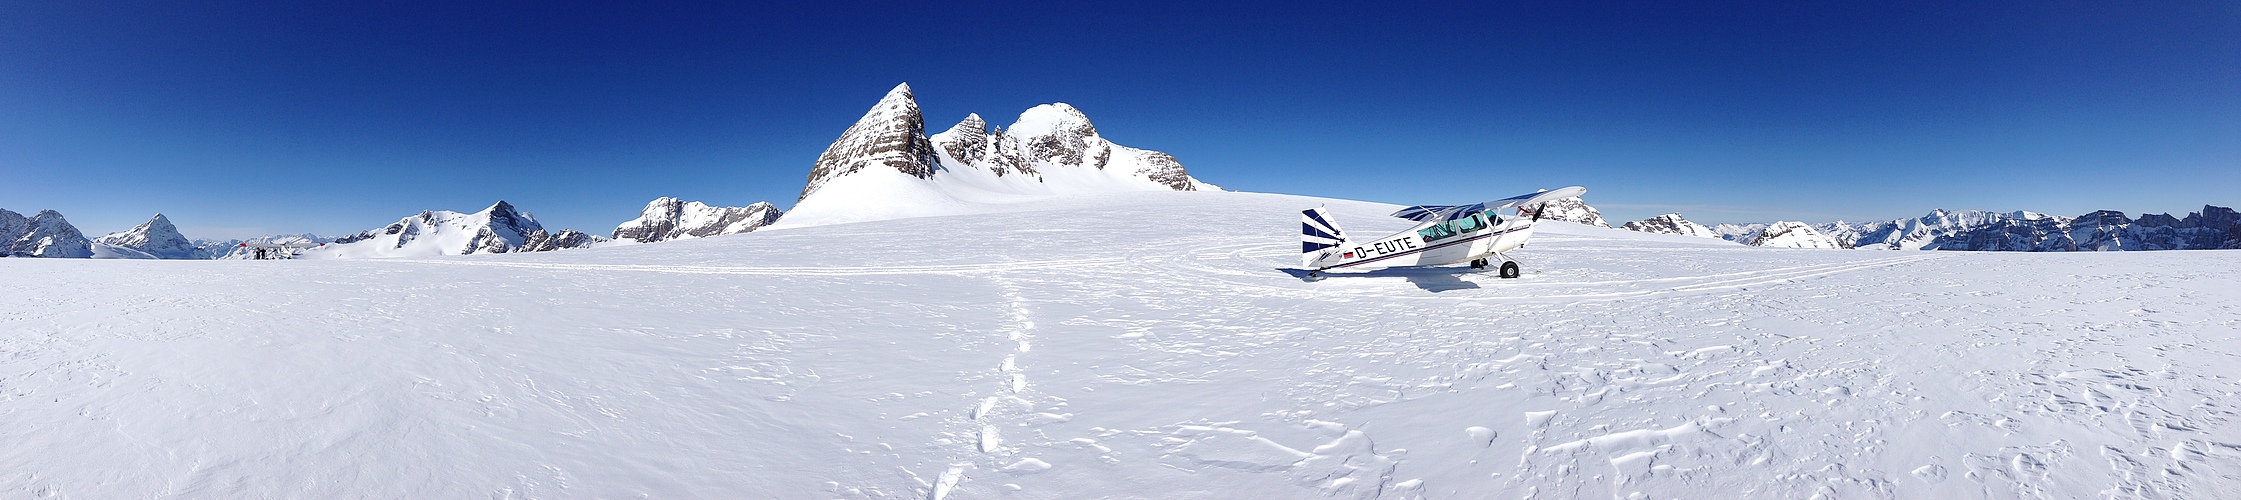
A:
<point x="1788" y="234"/>
<point x="44" y="235"/>
<point x="156" y="239"/>
<point x="886" y="167"/>
<point x="1574" y="210"/>
<point x="498" y="229"/>
<point x="1739" y="233"/>
<point x="1672" y="224"/>
<point x="669" y="218"/>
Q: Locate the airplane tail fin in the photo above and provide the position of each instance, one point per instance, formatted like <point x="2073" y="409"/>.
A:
<point x="1317" y="235"/>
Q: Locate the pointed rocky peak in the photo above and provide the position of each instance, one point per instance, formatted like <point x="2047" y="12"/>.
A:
<point x="967" y="142"/>
<point x="971" y="125"/>
<point x="891" y="135"/>
<point x="157" y="238"/>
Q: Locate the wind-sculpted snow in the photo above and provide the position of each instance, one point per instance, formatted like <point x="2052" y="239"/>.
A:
<point x="1125" y="346"/>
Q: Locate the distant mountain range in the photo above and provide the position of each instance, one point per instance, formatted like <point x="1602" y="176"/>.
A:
<point x="2212" y="228"/>
<point x="885" y="166"/>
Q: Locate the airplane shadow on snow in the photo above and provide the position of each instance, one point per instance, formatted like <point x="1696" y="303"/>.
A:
<point x="1431" y="279"/>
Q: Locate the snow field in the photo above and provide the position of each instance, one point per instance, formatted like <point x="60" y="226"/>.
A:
<point x="1147" y="345"/>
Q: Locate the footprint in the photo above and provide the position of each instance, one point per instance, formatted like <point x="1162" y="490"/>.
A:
<point x="988" y="439"/>
<point x="1932" y="473"/>
<point x="1480" y="435"/>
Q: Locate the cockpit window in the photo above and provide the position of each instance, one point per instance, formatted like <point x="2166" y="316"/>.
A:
<point x="1437" y="232"/>
<point x="1469" y="224"/>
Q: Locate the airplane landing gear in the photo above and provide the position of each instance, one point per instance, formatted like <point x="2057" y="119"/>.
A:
<point x="1509" y="269"/>
<point x="1478" y="264"/>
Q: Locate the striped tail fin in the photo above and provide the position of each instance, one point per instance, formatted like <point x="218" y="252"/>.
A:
<point x="1317" y="235"/>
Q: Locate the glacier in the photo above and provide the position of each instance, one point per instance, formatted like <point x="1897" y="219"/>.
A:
<point x="1137" y="344"/>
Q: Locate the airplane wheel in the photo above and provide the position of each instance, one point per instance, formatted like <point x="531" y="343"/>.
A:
<point x="1509" y="270"/>
<point x="1478" y="264"/>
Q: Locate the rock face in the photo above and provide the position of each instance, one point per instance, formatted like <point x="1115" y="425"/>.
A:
<point x="44" y="235"/>
<point x="886" y="167"/>
<point x="498" y="229"/>
<point x="1672" y="224"/>
<point x="669" y="218"/>
<point x="158" y="239"/>
<point x="541" y="241"/>
<point x="1574" y="210"/>
<point x="891" y="135"/>
<point x="1787" y="234"/>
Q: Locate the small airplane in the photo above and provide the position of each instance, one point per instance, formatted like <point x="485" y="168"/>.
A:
<point x="1447" y="234"/>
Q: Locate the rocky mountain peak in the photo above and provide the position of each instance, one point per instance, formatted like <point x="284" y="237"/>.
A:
<point x="891" y="135"/>
<point x="1573" y="209"/>
<point x="158" y="238"/>
<point x="971" y="125"/>
<point x="44" y="235"/>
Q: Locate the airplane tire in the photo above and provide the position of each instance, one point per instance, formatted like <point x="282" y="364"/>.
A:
<point x="1478" y="264"/>
<point x="1509" y="270"/>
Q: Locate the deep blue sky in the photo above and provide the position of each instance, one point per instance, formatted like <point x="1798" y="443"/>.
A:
<point x="242" y="118"/>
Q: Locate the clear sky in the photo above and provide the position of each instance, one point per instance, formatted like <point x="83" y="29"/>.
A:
<point x="242" y="118"/>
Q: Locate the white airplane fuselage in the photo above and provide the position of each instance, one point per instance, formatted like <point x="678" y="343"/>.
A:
<point x="1432" y="243"/>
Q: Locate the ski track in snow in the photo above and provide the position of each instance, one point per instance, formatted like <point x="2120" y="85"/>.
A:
<point x="1145" y="352"/>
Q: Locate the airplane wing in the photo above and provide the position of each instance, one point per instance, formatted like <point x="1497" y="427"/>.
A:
<point x="1421" y="213"/>
<point x="1536" y="198"/>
